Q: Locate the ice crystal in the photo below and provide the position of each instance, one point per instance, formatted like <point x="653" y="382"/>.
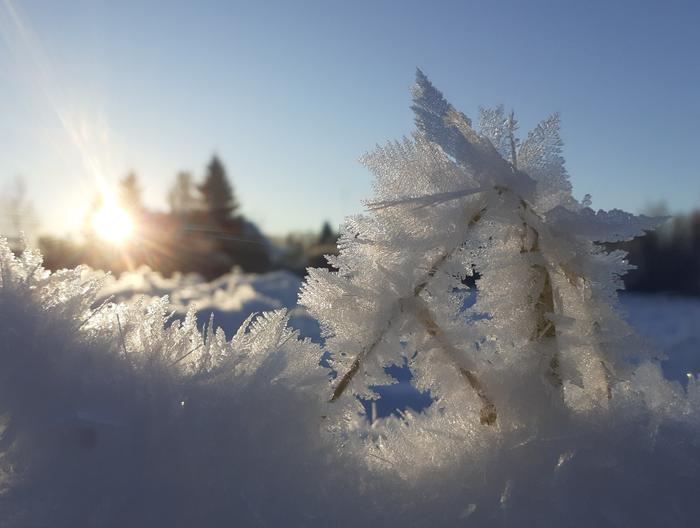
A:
<point x="114" y="415"/>
<point x="452" y="200"/>
<point x="545" y="409"/>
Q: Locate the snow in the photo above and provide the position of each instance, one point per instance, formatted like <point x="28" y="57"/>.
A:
<point x="450" y="200"/>
<point x="231" y="298"/>
<point x="668" y="323"/>
<point x="106" y="424"/>
<point x="672" y="325"/>
<point x="535" y="403"/>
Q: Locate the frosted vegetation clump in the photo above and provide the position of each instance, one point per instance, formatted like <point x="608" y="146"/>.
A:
<point x="546" y="409"/>
<point x="543" y="332"/>
<point x="536" y="353"/>
<point x="110" y="417"/>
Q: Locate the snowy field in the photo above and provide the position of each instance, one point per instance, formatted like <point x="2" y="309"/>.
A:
<point x="112" y="428"/>
<point x="672" y="325"/>
<point x="230" y="299"/>
<point x="669" y="324"/>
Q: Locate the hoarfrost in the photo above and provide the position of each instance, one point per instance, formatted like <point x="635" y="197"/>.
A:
<point x="546" y="408"/>
<point x="542" y="354"/>
<point x="452" y="200"/>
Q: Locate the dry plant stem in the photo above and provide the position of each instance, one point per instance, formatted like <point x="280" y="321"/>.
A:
<point x="96" y="311"/>
<point x="573" y="279"/>
<point x="345" y="380"/>
<point x="608" y="379"/>
<point x="186" y="354"/>
<point x="422" y="312"/>
<point x="544" y="327"/>
<point x="544" y="305"/>
<point x="121" y="335"/>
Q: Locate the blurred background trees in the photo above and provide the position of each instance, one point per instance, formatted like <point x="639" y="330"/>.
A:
<point x="17" y="218"/>
<point x="183" y="197"/>
<point x="129" y="193"/>
<point x="668" y="259"/>
<point x="217" y="192"/>
<point x="204" y="231"/>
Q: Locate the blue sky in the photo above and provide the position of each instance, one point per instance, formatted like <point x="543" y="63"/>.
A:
<point x="290" y="94"/>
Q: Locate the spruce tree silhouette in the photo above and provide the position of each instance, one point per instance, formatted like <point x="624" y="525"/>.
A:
<point x="219" y="200"/>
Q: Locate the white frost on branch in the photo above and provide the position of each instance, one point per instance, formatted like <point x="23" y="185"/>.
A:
<point x="544" y="333"/>
<point x="547" y="409"/>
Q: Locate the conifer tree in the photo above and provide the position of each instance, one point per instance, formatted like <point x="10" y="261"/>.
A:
<point x="327" y="236"/>
<point x="217" y="192"/>
<point x="182" y="198"/>
<point x="17" y="216"/>
<point x="129" y="193"/>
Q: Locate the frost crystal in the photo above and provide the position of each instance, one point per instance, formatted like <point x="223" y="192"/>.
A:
<point x="113" y="415"/>
<point x="451" y="201"/>
<point x="545" y="410"/>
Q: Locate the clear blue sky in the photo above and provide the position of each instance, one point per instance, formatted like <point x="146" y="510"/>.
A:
<point x="291" y="93"/>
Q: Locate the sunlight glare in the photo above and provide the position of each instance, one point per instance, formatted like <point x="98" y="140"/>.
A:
<point x="112" y="223"/>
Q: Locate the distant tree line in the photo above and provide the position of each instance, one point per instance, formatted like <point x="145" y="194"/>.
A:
<point x="668" y="259"/>
<point x="204" y="232"/>
<point x="17" y="215"/>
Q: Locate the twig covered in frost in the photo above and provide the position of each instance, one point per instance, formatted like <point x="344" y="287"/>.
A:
<point x="96" y="311"/>
<point x="420" y="310"/>
<point x="121" y="335"/>
<point x="532" y="243"/>
<point x="236" y="424"/>
<point x="186" y="354"/>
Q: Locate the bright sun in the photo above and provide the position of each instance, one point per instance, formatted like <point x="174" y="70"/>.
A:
<point x="112" y="223"/>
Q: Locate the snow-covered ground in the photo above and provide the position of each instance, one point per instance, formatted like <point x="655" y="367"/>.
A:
<point x="669" y="324"/>
<point x="109" y="419"/>
<point x="672" y="325"/>
<point x="230" y="299"/>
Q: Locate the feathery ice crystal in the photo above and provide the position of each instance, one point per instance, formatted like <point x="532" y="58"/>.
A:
<point x="450" y="202"/>
<point x="545" y="410"/>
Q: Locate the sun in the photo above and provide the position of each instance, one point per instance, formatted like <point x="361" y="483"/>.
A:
<point x="112" y="223"/>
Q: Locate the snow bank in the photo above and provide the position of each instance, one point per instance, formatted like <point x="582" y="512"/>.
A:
<point x="546" y="409"/>
<point x="230" y="299"/>
<point x="112" y="419"/>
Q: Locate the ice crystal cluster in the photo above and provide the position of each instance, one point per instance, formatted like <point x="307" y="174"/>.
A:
<point x="451" y="202"/>
<point x="546" y="409"/>
<point x="108" y="417"/>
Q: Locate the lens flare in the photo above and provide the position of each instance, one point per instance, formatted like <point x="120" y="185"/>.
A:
<point x="112" y="223"/>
